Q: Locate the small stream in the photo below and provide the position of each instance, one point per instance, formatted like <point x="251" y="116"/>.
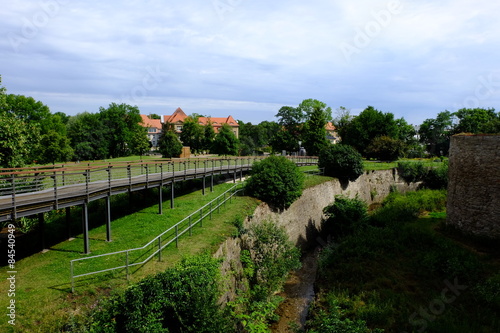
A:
<point x="298" y="293"/>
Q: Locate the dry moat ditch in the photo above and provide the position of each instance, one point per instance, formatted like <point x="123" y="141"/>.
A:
<point x="302" y="222"/>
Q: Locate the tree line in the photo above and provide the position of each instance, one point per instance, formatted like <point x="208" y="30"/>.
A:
<point x="30" y="133"/>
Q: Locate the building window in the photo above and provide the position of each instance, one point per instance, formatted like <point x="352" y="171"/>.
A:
<point x="178" y="127"/>
<point x="152" y="130"/>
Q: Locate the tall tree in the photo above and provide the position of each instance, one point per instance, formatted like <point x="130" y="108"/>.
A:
<point x="169" y="144"/>
<point x="225" y="143"/>
<point x="192" y="135"/>
<point x="208" y="136"/>
<point x="315" y="132"/>
<point x="122" y="122"/>
<point x="476" y="120"/>
<point x="140" y="143"/>
<point x="436" y="132"/>
<point x="368" y="125"/>
<point x="87" y="135"/>
<point x="55" y="147"/>
<point x="309" y="106"/>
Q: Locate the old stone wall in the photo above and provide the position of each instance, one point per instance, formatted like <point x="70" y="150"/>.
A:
<point x="304" y="217"/>
<point x="474" y="185"/>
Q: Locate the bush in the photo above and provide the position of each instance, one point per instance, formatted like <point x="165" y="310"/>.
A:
<point x="412" y="171"/>
<point x="437" y="178"/>
<point x="342" y="162"/>
<point x="345" y="215"/>
<point x="277" y="181"/>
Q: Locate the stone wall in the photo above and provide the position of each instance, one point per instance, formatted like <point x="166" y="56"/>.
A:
<point x="303" y="218"/>
<point x="474" y="185"/>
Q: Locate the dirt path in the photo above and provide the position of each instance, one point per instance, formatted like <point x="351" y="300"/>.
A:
<point x="298" y="293"/>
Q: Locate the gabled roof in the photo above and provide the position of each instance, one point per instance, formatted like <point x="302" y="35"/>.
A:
<point x="177" y="116"/>
<point x="156" y="123"/>
<point x="330" y="127"/>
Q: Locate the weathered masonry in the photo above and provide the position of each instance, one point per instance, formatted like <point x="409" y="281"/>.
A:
<point x="474" y="185"/>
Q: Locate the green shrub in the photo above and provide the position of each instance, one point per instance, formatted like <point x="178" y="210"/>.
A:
<point x="342" y="162"/>
<point x="183" y="298"/>
<point x="277" y="181"/>
<point x="412" y="171"/>
<point x="273" y="257"/>
<point x="437" y="178"/>
<point x="345" y="215"/>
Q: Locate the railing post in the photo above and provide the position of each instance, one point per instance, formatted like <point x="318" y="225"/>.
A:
<point x="56" y="205"/>
<point x="147" y="175"/>
<point x="129" y="174"/>
<point x="126" y="264"/>
<point x="159" y="248"/>
<point x="14" y="208"/>
<point x="211" y="209"/>
<point x="176" y="236"/>
<point x="72" y="278"/>
<point x="201" y="217"/>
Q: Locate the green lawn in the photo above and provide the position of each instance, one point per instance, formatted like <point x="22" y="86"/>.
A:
<point x="43" y="300"/>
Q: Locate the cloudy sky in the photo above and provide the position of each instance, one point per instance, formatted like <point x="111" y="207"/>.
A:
<point x="248" y="58"/>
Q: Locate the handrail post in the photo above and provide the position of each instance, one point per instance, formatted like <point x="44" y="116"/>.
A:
<point x="147" y="175"/>
<point x="14" y="208"/>
<point x="56" y="206"/>
<point x="72" y="278"/>
<point x="128" y="278"/>
<point x="176" y="235"/>
<point x="201" y="217"/>
<point x="159" y="248"/>
<point x="190" y="229"/>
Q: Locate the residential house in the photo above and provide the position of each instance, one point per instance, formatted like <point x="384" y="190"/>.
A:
<point x="154" y="129"/>
<point x="331" y="133"/>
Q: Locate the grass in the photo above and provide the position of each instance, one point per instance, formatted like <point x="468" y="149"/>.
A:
<point x="377" y="165"/>
<point x="43" y="301"/>
<point x="388" y="274"/>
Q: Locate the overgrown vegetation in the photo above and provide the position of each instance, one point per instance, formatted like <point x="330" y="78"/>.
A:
<point x="342" y="162"/>
<point x="181" y="299"/>
<point x="276" y="180"/>
<point x="398" y="272"/>
<point x="434" y="177"/>
<point x="267" y="258"/>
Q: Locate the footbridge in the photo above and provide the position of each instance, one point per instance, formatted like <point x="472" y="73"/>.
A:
<point x="36" y="190"/>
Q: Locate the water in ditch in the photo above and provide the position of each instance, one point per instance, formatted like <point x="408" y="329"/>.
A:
<point x="298" y="293"/>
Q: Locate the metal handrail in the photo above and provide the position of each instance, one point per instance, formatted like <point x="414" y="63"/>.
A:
<point x="158" y="239"/>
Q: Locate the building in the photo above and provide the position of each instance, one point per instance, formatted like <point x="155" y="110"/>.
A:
<point x="178" y="118"/>
<point x="331" y="133"/>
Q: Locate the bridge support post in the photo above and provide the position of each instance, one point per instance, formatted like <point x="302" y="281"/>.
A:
<point x="172" y="186"/>
<point x="108" y="219"/>
<point x="41" y="223"/>
<point x="160" y="200"/>
<point x="212" y="182"/>
<point x="85" y="227"/>
<point x="204" y="184"/>
<point x="68" y="221"/>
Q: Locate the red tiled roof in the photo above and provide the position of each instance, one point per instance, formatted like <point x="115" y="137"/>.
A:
<point x="330" y="127"/>
<point x="156" y="123"/>
<point x="177" y="116"/>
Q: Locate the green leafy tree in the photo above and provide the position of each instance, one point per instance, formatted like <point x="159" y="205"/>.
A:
<point x="341" y="161"/>
<point x="385" y="148"/>
<point x="368" y="125"/>
<point x="345" y="215"/>
<point x="169" y="143"/>
<point x="435" y="133"/>
<point x="277" y="181"/>
<point x="226" y="142"/>
<point x="476" y="121"/>
<point x="15" y="142"/>
<point x="122" y="122"/>
<point x="192" y="135"/>
<point x="291" y="120"/>
<point x="88" y="137"/>
<point x="309" y="106"/>
<point x="140" y="143"/>
<point x="208" y="136"/>
<point x="55" y="148"/>
<point x="315" y="132"/>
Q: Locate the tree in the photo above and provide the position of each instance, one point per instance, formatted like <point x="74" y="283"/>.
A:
<point x="14" y="141"/>
<point x="368" y="125"/>
<point x="277" y="181"/>
<point x="192" y="135"/>
<point x="140" y="143"/>
<point x="343" y="117"/>
<point x="55" y="147"/>
<point x="315" y="132"/>
<point x="121" y="122"/>
<point x="341" y="161"/>
<point x="208" y="136"/>
<point x="169" y="144"/>
<point x="87" y="134"/>
<point x="309" y="106"/>
<point x="225" y="143"/>
<point x="476" y="121"/>
<point x="435" y="133"/>
<point x="290" y="120"/>
<point x="385" y="148"/>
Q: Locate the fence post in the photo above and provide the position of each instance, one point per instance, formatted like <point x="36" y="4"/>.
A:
<point x="190" y="229"/>
<point x="201" y="217"/>
<point x="128" y="278"/>
<point x="56" y="206"/>
<point x="176" y="236"/>
<point x="72" y="278"/>
<point x="159" y="248"/>
<point x="14" y="208"/>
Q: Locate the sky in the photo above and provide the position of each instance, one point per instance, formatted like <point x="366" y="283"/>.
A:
<point x="248" y="58"/>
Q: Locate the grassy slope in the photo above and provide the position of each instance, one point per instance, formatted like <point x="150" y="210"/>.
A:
<point x="43" y="279"/>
